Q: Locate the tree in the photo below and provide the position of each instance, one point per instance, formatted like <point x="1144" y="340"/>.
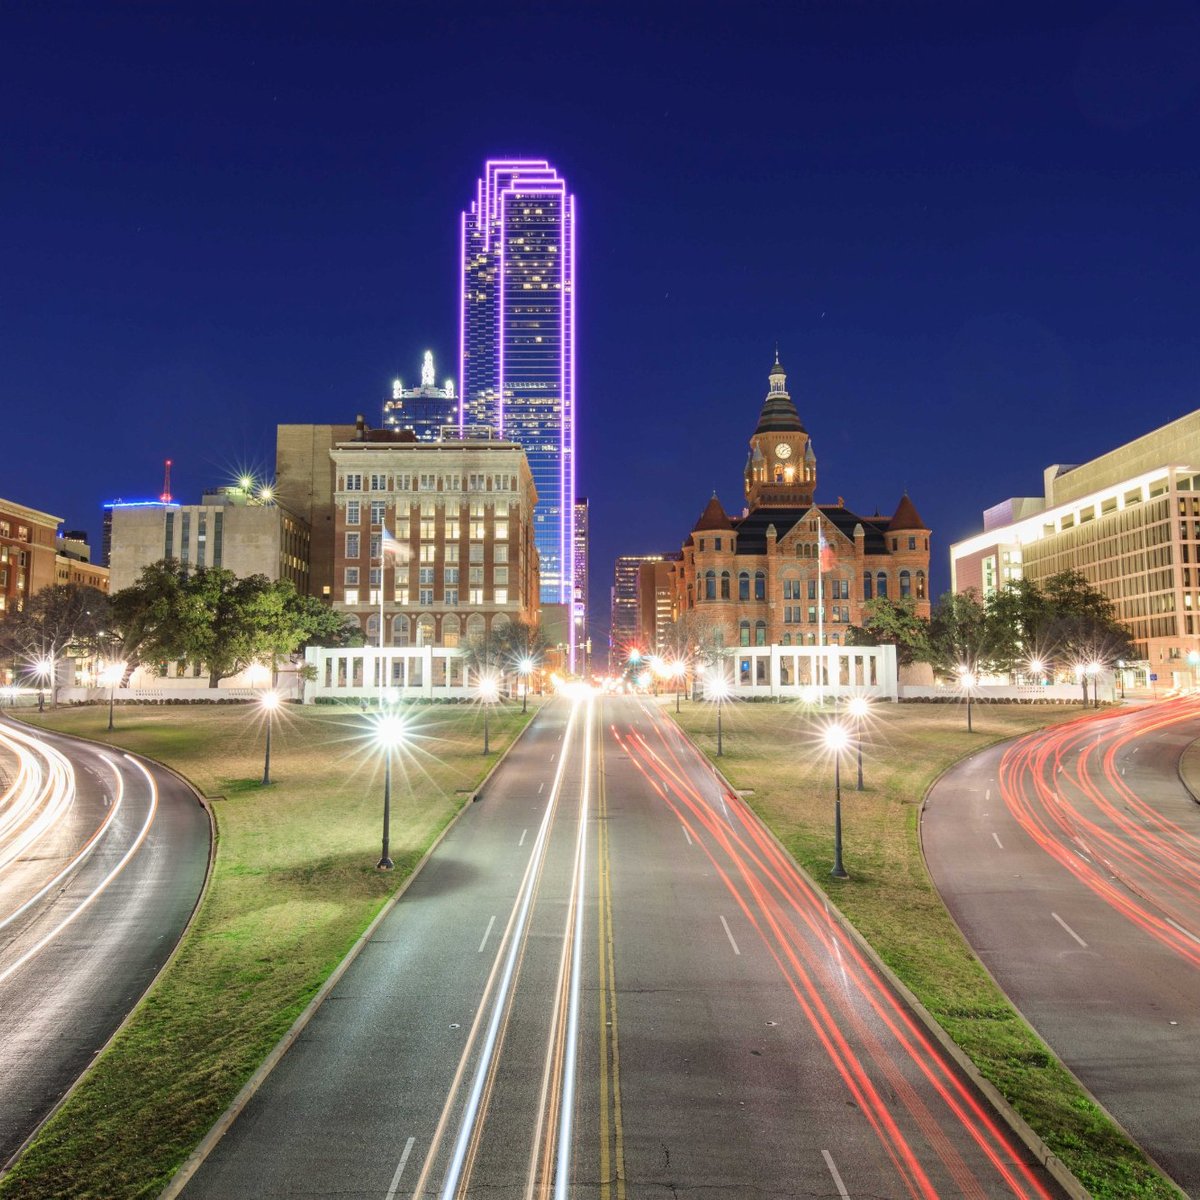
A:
<point x="1081" y="627"/>
<point x="145" y="619"/>
<point x="59" y="620"/>
<point x="523" y="640"/>
<point x="962" y="637"/>
<point x="290" y="621"/>
<point x="888" y="622"/>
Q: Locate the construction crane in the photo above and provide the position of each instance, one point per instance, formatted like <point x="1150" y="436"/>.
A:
<point x="166" y="492"/>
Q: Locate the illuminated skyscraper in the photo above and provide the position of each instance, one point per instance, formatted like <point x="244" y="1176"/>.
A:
<point x="517" y="341"/>
<point x="580" y="611"/>
<point x="425" y="409"/>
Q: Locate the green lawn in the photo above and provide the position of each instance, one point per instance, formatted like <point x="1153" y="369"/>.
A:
<point x="293" y="886"/>
<point x="774" y="751"/>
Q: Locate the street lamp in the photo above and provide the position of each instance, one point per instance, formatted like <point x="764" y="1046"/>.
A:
<point x="526" y="667"/>
<point x="678" y="670"/>
<point x="966" y="678"/>
<point x="1093" y="669"/>
<point x="858" y="708"/>
<point x="836" y="738"/>
<point x="111" y="676"/>
<point x="44" y="670"/>
<point x="489" y="691"/>
<point x="389" y="733"/>
<point x="1121" y="675"/>
<point x="718" y="689"/>
<point x="269" y="702"/>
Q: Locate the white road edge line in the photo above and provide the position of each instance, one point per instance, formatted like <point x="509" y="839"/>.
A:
<point x="391" y="1192"/>
<point x="523" y="833"/>
<point x="487" y="933"/>
<point x="998" y="841"/>
<point x="729" y="935"/>
<point x="687" y="835"/>
<point x="1185" y="932"/>
<point x="837" y="1179"/>
<point x="1069" y="929"/>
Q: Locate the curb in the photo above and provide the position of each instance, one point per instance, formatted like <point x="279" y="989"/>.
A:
<point x="1187" y="787"/>
<point x="7" y="1166"/>
<point x="208" y="1143"/>
<point x="1058" y="1170"/>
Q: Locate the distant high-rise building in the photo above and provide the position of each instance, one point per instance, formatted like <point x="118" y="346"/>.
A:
<point x="626" y="606"/>
<point x="517" y="341"/>
<point x="425" y="409"/>
<point x="580" y="537"/>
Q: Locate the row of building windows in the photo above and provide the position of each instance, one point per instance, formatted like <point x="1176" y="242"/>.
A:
<point x="475" y="597"/>
<point x="426" y="575"/>
<point x="6" y="530"/>
<point x="714" y="585"/>
<point x="427" y="513"/>
<point x="430" y="481"/>
<point x="427" y="551"/>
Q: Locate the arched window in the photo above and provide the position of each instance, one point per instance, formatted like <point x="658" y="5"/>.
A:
<point x="905" y="583"/>
<point x="760" y="585"/>
<point x="760" y="633"/>
<point x="920" y="585"/>
<point x="743" y="585"/>
<point x="787" y="639"/>
<point x="373" y="630"/>
<point x="425" y="633"/>
<point x="881" y="585"/>
<point x="710" y="585"/>
<point x="778" y="473"/>
<point x="451" y="630"/>
<point x="724" y="585"/>
<point x="744" y="633"/>
<point x="867" y="577"/>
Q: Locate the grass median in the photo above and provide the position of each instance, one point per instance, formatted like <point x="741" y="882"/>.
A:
<point x="773" y="752"/>
<point x="293" y="885"/>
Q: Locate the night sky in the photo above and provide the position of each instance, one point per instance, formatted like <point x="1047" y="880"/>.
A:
<point x="971" y="229"/>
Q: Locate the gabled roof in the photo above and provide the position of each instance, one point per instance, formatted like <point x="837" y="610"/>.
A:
<point x="752" y="529"/>
<point x="906" y="516"/>
<point x="713" y="517"/>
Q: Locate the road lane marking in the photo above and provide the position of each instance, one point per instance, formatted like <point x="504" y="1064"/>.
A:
<point x="988" y="794"/>
<point x="540" y="786"/>
<point x="391" y="1193"/>
<point x="554" y="756"/>
<point x="998" y="841"/>
<point x="487" y="932"/>
<point x="686" y="834"/>
<point x="1185" y="932"/>
<point x="1069" y="929"/>
<point x="729" y="935"/>
<point x="837" y="1179"/>
<point x="523" y="833"/>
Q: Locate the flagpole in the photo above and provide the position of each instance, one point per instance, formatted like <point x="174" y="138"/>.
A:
<point x="820" y="616"/>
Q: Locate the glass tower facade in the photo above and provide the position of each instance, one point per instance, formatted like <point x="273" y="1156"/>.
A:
<point x="517" y="341"/>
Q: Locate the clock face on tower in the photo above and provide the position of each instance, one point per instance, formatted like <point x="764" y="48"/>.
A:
<point x="783" y="451"/>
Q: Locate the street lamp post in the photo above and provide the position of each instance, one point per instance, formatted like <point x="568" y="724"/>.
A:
<point x="678" y="669"/>
<point x="836" y="738"/>
<point x="967" y="679"/>
<point x="389" y="733"/>
<point x="526" y="666"/>
<point x="269" y="702"/>
<point x="1121" y="675"/>
<point x="1093" y="669"/>
<point x="112" y="676"/>
<point x="488" y="691"/>
<point x="718" y="688"/>
<point x="859" y="707"/>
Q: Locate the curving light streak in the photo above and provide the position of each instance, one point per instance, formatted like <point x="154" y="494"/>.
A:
<point x="100" y="888"/>
<point x="39" y="798"/>
<point x="1086" y="817"/>
<point x="83" y="854"/>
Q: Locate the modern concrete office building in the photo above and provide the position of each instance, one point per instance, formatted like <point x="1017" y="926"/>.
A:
<point x="1129" y="521"/>
<point x="625" y="631"/>
<point x="230" y="529"/>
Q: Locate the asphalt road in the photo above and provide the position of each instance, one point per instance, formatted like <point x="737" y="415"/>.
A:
<point x="102" y="858"/>
<point x="1071" y="861"/>
<point x="609" y="982"/>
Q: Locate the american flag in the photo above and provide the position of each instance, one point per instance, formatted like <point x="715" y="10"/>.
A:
<point x="826" y="551"/>
<point x="389" y="545"/>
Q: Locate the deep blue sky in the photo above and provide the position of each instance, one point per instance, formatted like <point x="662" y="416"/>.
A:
<point x="971" y="228"/>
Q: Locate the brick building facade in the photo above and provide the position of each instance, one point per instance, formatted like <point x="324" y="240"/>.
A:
<point x="791" y="571"/>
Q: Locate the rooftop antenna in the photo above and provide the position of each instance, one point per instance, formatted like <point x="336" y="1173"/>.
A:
<point x="166" y="492"/>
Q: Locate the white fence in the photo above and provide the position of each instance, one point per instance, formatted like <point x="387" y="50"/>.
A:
<point x="803" y="672"/>
<point x="404" y="672"/>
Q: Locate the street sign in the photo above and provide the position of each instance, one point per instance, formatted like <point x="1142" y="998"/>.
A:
<point x="1153" y="677"/>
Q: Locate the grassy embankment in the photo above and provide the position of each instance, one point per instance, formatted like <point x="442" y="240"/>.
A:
<point x="772" y="749"/>
<point x="293" y="886"/>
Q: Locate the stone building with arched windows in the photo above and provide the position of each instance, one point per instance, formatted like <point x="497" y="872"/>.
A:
<point x="792" y="571"/>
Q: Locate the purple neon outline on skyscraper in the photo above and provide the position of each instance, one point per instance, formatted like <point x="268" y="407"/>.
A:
<point x="462" y="319"/>
<point x="503" y="177"/>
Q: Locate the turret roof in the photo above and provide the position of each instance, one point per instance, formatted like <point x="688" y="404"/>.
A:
<point x="713" y="517"/>
<point x="906" y="516"/>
